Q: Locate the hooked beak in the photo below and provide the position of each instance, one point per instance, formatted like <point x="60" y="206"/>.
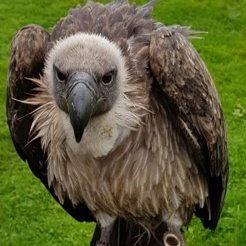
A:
<point x="81" y="100"/>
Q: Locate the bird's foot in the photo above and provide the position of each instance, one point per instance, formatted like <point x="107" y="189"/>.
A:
<point x="106" y="225"/>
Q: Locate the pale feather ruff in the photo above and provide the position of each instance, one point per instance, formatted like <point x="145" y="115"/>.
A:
<point x="65" y="156"/>
<point x="142" y="172"/>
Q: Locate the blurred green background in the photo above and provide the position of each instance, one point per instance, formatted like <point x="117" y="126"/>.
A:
<point x="30" y="216"/>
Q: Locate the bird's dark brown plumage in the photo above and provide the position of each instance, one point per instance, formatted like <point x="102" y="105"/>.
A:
<point x="162" y="63"/>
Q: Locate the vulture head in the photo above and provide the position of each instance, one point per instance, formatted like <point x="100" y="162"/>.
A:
<point x="85" y="73"/>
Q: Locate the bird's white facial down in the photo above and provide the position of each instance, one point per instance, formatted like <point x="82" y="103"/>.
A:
<point x="94" y="55"/>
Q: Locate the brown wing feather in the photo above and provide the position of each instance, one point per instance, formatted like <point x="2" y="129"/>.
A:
<point x="27" y="61"/>
<point x="186" y="88"/>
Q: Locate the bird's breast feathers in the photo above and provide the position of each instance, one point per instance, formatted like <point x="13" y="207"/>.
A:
<point x="115" y="166"/>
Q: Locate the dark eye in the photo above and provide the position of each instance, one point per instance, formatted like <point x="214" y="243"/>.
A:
<point x="59" y="74"/>
<point x="108" y="78"/>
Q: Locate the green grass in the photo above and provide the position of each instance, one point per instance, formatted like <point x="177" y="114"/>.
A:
<point x="30" y="216"/>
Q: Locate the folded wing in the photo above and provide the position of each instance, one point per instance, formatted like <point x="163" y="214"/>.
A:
<point x="184" y="87"/>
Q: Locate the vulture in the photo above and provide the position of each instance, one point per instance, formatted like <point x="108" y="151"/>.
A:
<point x="118" y="116"/>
